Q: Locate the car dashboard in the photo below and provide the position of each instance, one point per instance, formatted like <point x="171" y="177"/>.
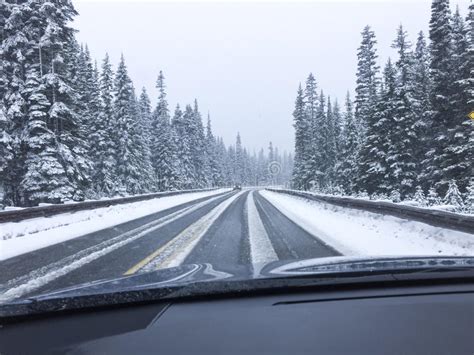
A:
<point x="383" y="320"/>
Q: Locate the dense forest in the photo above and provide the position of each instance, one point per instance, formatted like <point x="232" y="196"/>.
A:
<point x="407" y="135"/>
<point x="71" y="129"/>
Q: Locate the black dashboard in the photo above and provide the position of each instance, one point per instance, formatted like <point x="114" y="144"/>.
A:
<point x="396" y="320"/>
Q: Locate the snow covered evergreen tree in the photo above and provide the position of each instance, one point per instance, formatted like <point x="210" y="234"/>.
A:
<point x="58" y="58"/>
<point x="94" y="129"/>
<point x="16" y="52"/>
<point x="182" y="124"/>
<point x="347" y="158"/>
<point x="453" y="197"/>
<point x="441" y="52"/>
<point x="144" y="107"/>
<point x="45" y="178"/>
<point x="469" y="205"/>
<point x="214" y="169"/>
<point x="433" y="197"/>
<point x="163" y="143"/>
<point x="6" y="151"/>
<point x="141" y="129"/>
<point x="130" y="157"/>
<point x="238" y="161"/>
<point x="375" y="173"/>
<point x="312" y="163"/>
<point x="302" y="142"/>
<point x="419" y="197"/>
<point x="198" y="151"/>
<point x="103" y="139"/>
<point x="459" y="151"/>
<point x="366" y="80"/>
<point x="338" y="125"/>
<point x="330" y="142"/>
<point x="403" y="135"/>
<point x="395" y="196"/>
<point x="421" y="107"/>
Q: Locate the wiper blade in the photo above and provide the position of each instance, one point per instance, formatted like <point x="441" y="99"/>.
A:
<point x="369" y="265"/>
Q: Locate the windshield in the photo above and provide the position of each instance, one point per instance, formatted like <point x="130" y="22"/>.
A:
<point x="229" y="139"/>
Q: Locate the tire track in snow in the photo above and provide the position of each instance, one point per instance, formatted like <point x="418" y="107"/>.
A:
<point x="177" y="249"/>
<point x="261" y="248"/>
<point x="37" y="278"/>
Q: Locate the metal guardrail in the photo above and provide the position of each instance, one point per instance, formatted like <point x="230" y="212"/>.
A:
<point x="433" y="217"/>
<point x="51" y="210"/>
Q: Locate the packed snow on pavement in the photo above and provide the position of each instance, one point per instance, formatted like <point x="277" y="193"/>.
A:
<point x="359" y="233"/>
<point x="22" y="237"/>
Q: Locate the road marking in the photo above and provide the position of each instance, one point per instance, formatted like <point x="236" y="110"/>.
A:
<point x="37" y="278"/>
<point x="261" y="248"/>
<point x="177" y="249"/>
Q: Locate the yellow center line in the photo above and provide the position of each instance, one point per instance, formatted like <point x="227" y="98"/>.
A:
<point x="145" y="261"/>
<point x="192" y="233"/>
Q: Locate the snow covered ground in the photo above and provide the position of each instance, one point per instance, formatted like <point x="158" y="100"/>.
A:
<point x="464" y="210"/>
<point x="22" y="237"/>
<point x="358" y="233"/>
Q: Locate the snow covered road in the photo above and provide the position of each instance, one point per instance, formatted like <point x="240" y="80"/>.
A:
<point x="228" y="230"/>
<point x="22" y="237"/>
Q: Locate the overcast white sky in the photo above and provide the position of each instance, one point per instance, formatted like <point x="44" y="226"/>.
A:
<point x="243" y="60"/>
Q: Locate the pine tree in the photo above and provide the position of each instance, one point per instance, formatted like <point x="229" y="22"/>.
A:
<point x="395" y="196"/>
<point x="401" y="152"/>
<point x="421" y="106"/>
<point x="141" y="130"/>
<point x="6" y="150"/>
<point x="16" y="51"/>
<point x="348" y="152"/>
<point x="45" y="178"/>
<point x="459" y="151"/>
<point x="469" y="58"/>
<point x="469" y="205"/>
<point x="261" y="169"/>
<point x="213" y="168"/>
<point x="313" y="159"/>
<point x="198" y="151"/>
<point x="103" y="139"/>
<point x="330" y="144"/>
<point x="419" y="197"/>
<point x="441" y="52"/>
<point x="319" y="165"/>
<point x="272" y="165"/>
<point x="129" y="156"/>
<point x="163" y="143"/>
<point x="302" y="142"/>
<point x="6" y="141"/>
<point x="367" y="80"/>
<point x="453" y="196"/>
<point x="144" y="107"/>
<point x="101" y="180"/>
<point x="433" y="197"/>
<point x="59" y="51"/>
<point x="338" y="126"/>
<point x="182" y="124"/>
<point x="238" y="161"/>
<point x="375" y="173"/>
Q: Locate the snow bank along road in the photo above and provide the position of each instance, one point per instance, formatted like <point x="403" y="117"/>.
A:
<point x="226" y="229"/>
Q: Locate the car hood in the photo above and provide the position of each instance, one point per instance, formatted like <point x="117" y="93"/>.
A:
<point x="204" y="279"/>
<point x="192" y="273"/>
